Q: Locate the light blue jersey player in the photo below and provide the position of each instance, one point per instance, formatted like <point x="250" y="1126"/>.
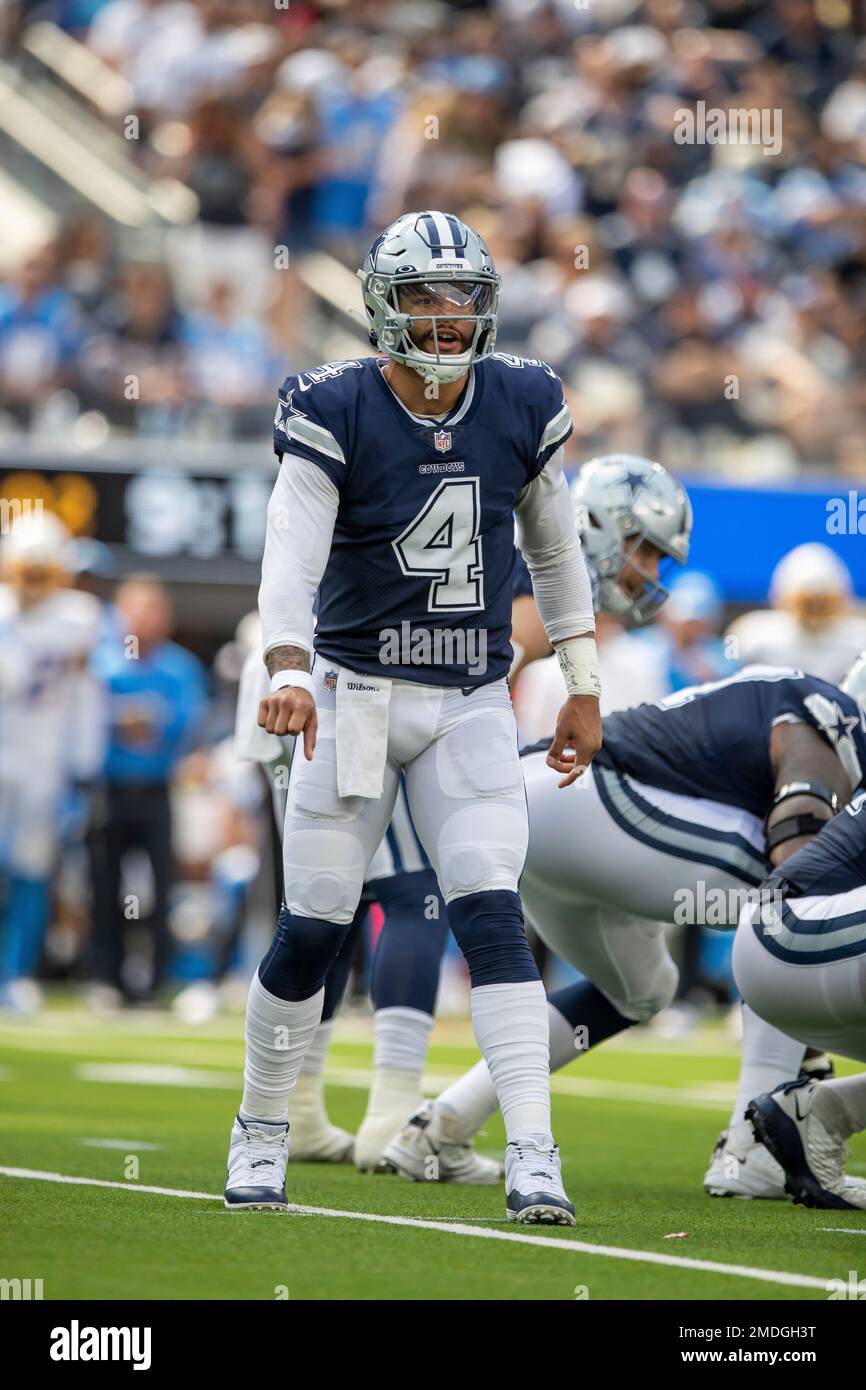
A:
<point x="395" y="501"/>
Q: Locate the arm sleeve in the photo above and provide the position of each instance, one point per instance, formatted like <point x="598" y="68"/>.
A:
<point x="553" y="553"/>
<point x="301" y="516"/>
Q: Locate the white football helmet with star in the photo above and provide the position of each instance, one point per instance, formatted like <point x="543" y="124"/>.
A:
<point x="619" y="501"/>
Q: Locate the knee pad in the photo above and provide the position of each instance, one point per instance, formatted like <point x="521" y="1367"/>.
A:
<point x="301" y="954"/>
<point x="488" y="928"/>
<point x="324" y="873"/>
<point x="481" y="849"/>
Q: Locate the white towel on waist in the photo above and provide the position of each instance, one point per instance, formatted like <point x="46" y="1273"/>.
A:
<point x="362" y="733"/>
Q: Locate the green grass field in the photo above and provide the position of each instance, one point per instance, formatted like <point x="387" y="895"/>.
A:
<point x="635" y="1120"/>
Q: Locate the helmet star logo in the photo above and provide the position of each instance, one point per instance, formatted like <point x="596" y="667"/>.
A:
<point x="634" y="482"/>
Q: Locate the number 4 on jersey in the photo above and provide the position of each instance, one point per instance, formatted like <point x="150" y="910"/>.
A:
<point x="443" y="542"/>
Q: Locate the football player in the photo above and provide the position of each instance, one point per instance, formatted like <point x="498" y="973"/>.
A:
<point x="51" y="732"/>
<point x="400" y="476"/>
<point x="629" y="538"/>
<point x="686" y="804"/>
<point x="799" y="958"/>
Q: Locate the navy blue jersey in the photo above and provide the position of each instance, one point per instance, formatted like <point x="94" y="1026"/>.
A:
<point x="714" y="740"/>
<point x="418" y="583"/>
<point x="835" y="861"/>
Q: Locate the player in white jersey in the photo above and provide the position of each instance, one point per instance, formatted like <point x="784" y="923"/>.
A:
<point x="399" y="482"/>
<point x="811" y="624"/>
<point x="51" y="731"/>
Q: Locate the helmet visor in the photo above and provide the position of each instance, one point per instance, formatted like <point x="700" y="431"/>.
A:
<point x="445" y="298"/>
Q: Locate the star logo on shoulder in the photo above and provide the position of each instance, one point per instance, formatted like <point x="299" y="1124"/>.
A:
<point x="285" y="409"/>
<point x="839" y="724"/>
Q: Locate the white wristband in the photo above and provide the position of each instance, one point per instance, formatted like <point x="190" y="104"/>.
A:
<point x="281" y="679"/>
<point x="578" y="662"/>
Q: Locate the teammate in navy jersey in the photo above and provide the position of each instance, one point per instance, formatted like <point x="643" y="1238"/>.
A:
<point x="800" y="962"/>
<point x="688" y="803"/>
<point x="395" y="502"/>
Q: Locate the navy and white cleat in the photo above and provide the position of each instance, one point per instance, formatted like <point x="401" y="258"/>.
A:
<point x="433" y="1146"/>
<point x="742" y="1167"/>
<point x="258" y="1152"/>
<point x="813" y="1158"/>
<point x="534" y="1194"/>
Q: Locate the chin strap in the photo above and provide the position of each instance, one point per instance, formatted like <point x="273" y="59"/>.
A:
<point x="806" y="823"/>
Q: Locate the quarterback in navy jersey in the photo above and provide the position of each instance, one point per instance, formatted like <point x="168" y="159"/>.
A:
<point x="398" y="486"/>
<point x="687" y="806"/>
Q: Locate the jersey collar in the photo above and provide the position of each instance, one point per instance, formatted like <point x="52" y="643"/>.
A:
<point x="452" y="417"/>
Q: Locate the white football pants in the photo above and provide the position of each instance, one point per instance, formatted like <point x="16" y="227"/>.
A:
<point x="822" y="1001"/>
<point x="463" y="783"/>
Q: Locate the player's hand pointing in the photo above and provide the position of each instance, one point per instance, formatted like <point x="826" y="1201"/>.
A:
<point x="577" y="738"/>
<point x="291" y="711"/>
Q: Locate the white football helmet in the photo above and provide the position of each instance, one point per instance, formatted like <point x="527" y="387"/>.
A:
<point x="432" y="262"/>
<point x="619" y="501"/>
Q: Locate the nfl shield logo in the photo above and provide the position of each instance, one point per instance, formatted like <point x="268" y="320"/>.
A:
<point x="442" y="440"/>
<point x="330" y="681"/>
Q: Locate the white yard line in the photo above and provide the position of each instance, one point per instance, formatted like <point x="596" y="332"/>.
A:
<point x="123" y="1144"/>
<point x="613" y="1252"/>
<point x="707" y="1095"/>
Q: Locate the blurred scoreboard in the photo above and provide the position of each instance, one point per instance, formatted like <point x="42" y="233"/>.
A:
<point x="200" y="523"/>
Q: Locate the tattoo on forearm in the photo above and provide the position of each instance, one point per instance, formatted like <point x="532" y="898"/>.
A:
<point x="287" y="659"/>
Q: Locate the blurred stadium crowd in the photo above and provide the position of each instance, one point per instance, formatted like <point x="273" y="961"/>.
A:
<point x="704" y="303"/>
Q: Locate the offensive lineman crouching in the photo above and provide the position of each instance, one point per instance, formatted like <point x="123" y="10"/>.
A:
<point x="398" y="484"/>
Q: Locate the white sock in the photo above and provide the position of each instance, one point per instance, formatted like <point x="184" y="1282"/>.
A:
<point x="769" y="1057"/>
<point x="511" y="1028"/>
<point x="472" y="1099"/>
<point x="317" y="1053"/>
<point x="401" y="1039"/>
<point x="840" y="1105"/>
<point x="278" y="1034"/>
